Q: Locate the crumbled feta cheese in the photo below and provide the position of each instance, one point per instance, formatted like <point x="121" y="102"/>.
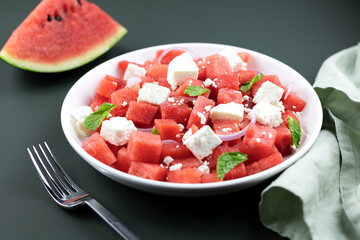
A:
<point x="246" y="98"/>
<point x="181" y="127"/>
<point x="134" y="70"/>
<point x="167" y="160"/>
<point x="181" y="68"/>
<point x="202" y="142"/>
<point x="124" y="103"/>
<point x="171" y="99"/>
<point x="227" y="111"/>
<point x="117" y="130"/>
<point x="226" y="130"/>
<point x="202" y="117"/>
<point x="204" y="168"/>
<point x="235" y="61"/>
<point x="178" y="136"/>
<point x="208" y="107"/>
<point x="175" y="167"/>
<point x="268" y="92"/>
<point x="208" y="82"/>
<point x="258" y="140"/>
<point x="153" y="93"/>
<point x="266" y="114"/>
<point x="79" y="116"/>
<point x="298" y="115"/>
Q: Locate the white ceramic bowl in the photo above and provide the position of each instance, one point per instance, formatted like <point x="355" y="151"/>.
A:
<point x="83" y="92"/>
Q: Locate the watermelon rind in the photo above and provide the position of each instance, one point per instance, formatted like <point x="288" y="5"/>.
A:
<point x="67" y="64"/>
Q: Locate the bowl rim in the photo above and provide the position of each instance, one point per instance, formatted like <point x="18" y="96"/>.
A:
<point x="130" y="179"/>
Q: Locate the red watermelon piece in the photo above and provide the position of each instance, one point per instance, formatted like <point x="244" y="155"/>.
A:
<point x="227" y="95"/>
<point x="237" y="172"/>
<point x="36" y="46"/>
<point x="123" y="160"/>
<point x="168" y="129"/>
<point x="142" y="114"/>
<point x="106" y="87"/>
<point x="168" y="55"/>
<point x="98" y="101"/>
<point x="210" y="177"/>
<point x="175" y="150"/>
<point x="177" y="110"/>
<point x="224" y="127"/>
<point x="157" y="71"/>
<point x="283" y="140"/>
<point x="122" y="98"/>
<point x="258" y="142"/>
<point x="148" y="170"/>
<point x="293" y="102"/>
<point x="189" y="162"/>
<point x="190" y="82"/>
<point x="185" y="175"/>
<point x="202" y="68"/>
<point x="200" y="108"/>
<point x="216" y="65"/>
<point x="245" y="75"/>
<point x="96" y="146"/>
<point x="264" y="164"/>
<point x="144" y="147"/>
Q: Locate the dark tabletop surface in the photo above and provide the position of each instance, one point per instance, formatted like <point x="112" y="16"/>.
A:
<point x="300" y="33"/>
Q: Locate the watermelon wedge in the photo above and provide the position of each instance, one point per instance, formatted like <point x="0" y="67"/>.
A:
<point x="60" y="35"/>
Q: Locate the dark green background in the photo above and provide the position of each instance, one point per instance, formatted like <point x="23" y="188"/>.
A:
<point x="300" y="33"/>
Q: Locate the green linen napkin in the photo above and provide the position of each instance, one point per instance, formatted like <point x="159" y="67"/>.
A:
<point x="319" y="196"/>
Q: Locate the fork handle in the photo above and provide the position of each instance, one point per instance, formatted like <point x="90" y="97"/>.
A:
<point x="113" y="221"/>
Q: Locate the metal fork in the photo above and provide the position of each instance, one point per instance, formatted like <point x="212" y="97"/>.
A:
<point x="67" y="193"/>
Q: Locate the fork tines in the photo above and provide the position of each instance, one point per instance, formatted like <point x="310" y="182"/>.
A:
<point x="52" y="175"/>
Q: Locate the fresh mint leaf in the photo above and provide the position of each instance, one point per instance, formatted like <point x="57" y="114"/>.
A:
<point x="193" y="91"/>
<point x="228" y="161"/>
<point x="295" y="130"/>
<point x="94" y="120"/>
<point x="246" y="86"/>
<point x="155" y="131"/>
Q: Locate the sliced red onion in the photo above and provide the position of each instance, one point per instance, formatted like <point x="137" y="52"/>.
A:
<point x="177" y="48"/>
<point x="291" y="85"/>
<point x="133" y="81"/>
<point x="145" y="129"/>
<point x="239" y="134"/>
<point x="169" y="141"/>
<point x="190" y="99"/>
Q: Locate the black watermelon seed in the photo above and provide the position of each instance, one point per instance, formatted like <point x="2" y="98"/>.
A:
<point x="49" y="18"/>
<point x="79" y="2"/>
<point x="58" y="18"/>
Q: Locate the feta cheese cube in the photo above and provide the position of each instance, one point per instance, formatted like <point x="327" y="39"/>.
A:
<point x="134" y="70"/>
<point x="268" y="92"/>
<point x="181" y="68"/>
<point x="235" y="61"/>
<point x="202" y="142"/>
<point x="117" y="130"/>
<point x="266" y="114"/>
<point x="227" y="111"/>
<point x="79" y="116"/>
<point x="153" y="93"/>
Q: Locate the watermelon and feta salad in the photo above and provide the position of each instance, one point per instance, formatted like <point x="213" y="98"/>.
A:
<point x="187" y="119"/>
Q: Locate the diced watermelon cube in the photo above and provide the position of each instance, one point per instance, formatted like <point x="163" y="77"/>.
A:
<point x="168" y="129"/>
<point x="244" y="56"/>
<point x="245" y="75"/>
<point x="96" y="146"/>
<point x="185" y="175"/>
<point x="202" y="68"/>
<point x="177" y="110"/>
<point x="106" y="87"/>
<point x="142" y="114"/>
<point x="122" y="98"/>
<point x="121" y="82"/>
<point x="264" y="164"/>
<point x="258" y="142"/>
<point x="148" y="170"/>
<point x="200" y="115"/>
<point x="225" y="127"/>
<point x="237" y="172"/>
<point x="210" y="177"/>
<point x="293" y="102"/>
<point x="216" y="65"/>
<point x="283" y="140"/>
<point x="157" y="71"/>
<point x="190" y="82"/>
<point x="213" y="158"/>
<point x="189" y="162"/>
<point x="175" y="150"/>
<point x="230" y="81"/>
<point x="98" y="101"/>
<point x="169" y="56"/>
<point x="144" y="147"/>
<point x="284" y="117"/>
<point x="227" y="95"/>
<point x="123" y="160"/>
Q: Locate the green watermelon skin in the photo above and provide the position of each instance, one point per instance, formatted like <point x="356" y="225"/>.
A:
<point x="71" y="36"/>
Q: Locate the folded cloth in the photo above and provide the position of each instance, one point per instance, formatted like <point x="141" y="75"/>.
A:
<point x="318" y="197"/>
